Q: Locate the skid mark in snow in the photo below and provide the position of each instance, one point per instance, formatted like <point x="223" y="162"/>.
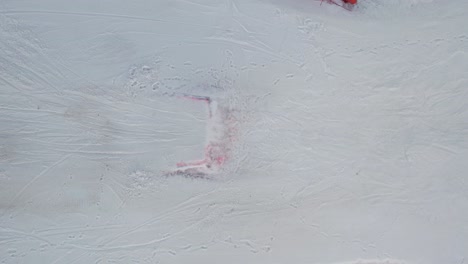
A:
<point x="211" y="88"/>
<point x="219" y="136"/>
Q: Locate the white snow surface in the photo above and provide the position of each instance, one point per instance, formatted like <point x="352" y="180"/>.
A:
<point x="233" y="131"/>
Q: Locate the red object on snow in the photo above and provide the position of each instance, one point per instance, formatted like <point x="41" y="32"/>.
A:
<point x="346" y="4"/>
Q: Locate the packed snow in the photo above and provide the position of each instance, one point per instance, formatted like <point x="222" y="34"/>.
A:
<point x="233" y="131"/>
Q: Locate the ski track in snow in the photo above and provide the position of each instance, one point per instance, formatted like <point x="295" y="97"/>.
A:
<point x="202" y="131"/>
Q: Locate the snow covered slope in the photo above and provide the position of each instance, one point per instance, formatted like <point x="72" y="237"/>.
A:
<point x="233" y="131"/>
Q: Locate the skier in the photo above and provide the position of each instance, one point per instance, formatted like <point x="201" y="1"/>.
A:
<point x="353" y="2"/>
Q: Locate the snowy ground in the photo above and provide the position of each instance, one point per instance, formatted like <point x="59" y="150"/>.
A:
<point x="233" y="131"/>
